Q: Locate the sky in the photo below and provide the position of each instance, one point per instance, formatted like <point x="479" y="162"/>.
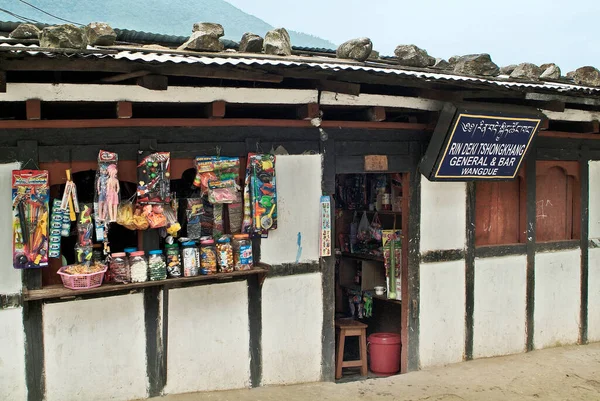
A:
<point x="511" y="31"/>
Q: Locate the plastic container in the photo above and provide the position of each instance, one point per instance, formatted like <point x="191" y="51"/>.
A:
<point x="191" y="259"/>
<point x="157" y="266"/>
<point x="208" y="257"/>
<point x="128" y="251"/>
<point x="225" y="255"/>
<point x="119" y="271"/>
<point x="138" y="267"/>
<point x="81" y="281"/>
<point x="242" y="252"/>
<point x="173" y="260"/>
<point x="384" y="350"/>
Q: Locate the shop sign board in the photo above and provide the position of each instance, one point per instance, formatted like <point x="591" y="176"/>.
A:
<point x="470" y="144"/>
<point x="376" y="163"/>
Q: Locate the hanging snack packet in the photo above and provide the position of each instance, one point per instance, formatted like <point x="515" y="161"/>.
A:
<point x="236" y="211"/>
<point x="173" y="225"/>
<point x="218" y="226"/>
<point x="125" y="215"/>
<point x="156" y="217"/>
<point x="154" y="178"/>
<point x="206" y="220"/>
<point x="193" y="213"/>
<point x="55" y="228"/>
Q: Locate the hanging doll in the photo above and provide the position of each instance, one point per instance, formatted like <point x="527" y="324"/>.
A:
<point x="112" y="192"/>
<point x="101" y="191"/>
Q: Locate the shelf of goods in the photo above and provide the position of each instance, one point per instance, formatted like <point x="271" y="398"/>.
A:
<point x="60" y="292"/>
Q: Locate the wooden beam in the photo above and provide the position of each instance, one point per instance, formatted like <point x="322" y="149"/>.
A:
<point x="376" y="113"/>
<point x="124" y="110"/>
<point x="402" y="102"/>
<point x="126" y="66"/>
<point x="308" y="111"/>
<point x="33" y="109"/>
<point x="215" y="109"/>
<point x="570" y="135"/>
<point x="553" y="105"/>
<point x="2" y="81"/>
<point x="588" y="101"/>
<point x="204" y="122"/>
<point x="174" y="94"/>
<point x="571" y="115"/>
<point x="339" y="87"/>
<point x="124" y="77"/>
<point x="154" y="82"/>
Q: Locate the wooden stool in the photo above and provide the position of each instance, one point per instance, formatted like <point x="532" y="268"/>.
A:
<point x="350" y="328"/>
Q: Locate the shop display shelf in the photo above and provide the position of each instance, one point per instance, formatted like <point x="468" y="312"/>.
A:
<point x="59" y="291"/>
<point x="383" y="212"/>
<point x="385" y="298"/>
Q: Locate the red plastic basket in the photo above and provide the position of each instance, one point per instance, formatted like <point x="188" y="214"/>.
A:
<point x="81" y="281"/>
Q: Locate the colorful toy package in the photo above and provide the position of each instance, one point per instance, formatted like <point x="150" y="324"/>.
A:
<point x="154" y="178"/>
<point x="263" y="192"/>
<point x="30" y="218"/>
<point x="218" y="176"/>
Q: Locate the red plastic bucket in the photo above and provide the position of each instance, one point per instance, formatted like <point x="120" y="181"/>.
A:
<point x="384" y="349"/>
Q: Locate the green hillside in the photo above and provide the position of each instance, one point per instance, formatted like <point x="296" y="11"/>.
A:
<point x="157" y="16"/>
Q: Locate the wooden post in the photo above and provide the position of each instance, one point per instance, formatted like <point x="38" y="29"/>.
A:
<point x="2" y="81"/>
<point x="153" y="82"/>
<point x="376" y="113"/>
<point x="124" y="110"/>
<point x="308" y="111"/>
<point x="215" y="109"/>
<point x="33" y="109"/>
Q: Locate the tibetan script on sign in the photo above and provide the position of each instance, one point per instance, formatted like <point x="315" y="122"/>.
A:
<point x="469" y="145"/>
<point x="376" y="163"/>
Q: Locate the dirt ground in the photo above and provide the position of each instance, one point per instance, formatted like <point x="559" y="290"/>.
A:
<point x="567" y="373"/>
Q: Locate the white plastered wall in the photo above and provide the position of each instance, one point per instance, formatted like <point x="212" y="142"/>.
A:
<point x="442" y="313"/>
<point x="12" y="359"/>
<point x="443" y="215"/>
<point x="594" y="255"/>
<point x="12" y="336"/>
<point x="292" y="306"/>
<point x="292" y="310"/>
<point x="499" y="307"/>
<point x="594" y="295"/>
<point x="557" y="298"/>
<point x="95" y="349"/>
<point x="208" y="345"/>
<point x="296" y="238"/>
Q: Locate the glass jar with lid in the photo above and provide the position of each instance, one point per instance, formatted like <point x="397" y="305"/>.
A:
<point x="138" y="267"/>
<point x="173" y="260"/>
<point x="157" y="267"/>
<point x="118" y="269"/>
<point x="191" y="259"/>
<point x="225" y="255"/>
<point x="208" y="256"/>
<point x="242" y="252"/>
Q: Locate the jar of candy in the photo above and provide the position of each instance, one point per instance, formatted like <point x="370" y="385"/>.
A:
<point x="173" y="261"/>
<point x="157" y="267"/>
<point x="138" y="267"/>
<point x="129" y="250"/>
<point x="118" y="270"/>
<point x="208" y="257"/>
<point x="191" y="259"/>
<point x="242" y="252"/>
<point x="225" y="254"/>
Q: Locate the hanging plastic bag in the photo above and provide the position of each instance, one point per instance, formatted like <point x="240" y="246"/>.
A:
<point x="375" y="228"/>
<point x="364" y="228"/>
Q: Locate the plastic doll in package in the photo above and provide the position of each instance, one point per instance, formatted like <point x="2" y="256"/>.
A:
<point x="107" y="187"/>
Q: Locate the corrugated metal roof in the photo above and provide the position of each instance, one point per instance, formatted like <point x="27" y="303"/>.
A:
<point x="315" y="63"/>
